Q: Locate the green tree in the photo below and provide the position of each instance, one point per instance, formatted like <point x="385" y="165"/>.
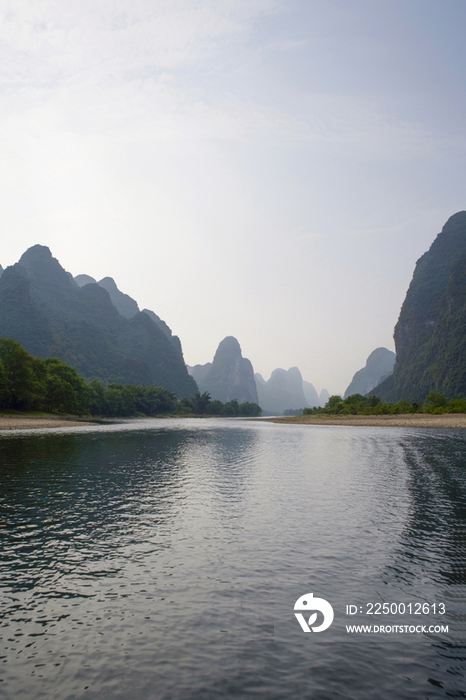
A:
<point x="405" y="406"/>
<point x="184" y="407"/>
<point x="201" y="402"/>
<point x="249" y="409"/>
<point x="156" y="401"/>
<point x="334" y="404"/>
<point x="114" y="403"/>
<point x="215" y="408"/>
<point x="230" y="408"/>
<point x="96" y="399"/>
<point x="3" y="388"/>
<point x="456" y="406"/>
<point x="21" y="388"/>
<point x="435" y="403"/>
<point x="65" y="391"/>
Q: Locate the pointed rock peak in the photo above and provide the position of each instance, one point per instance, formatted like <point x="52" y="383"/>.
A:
<point x="108" y="283"/>
<point x="163" y="327"/>
<point x="380" y="355"/>
<point x="228" y="347"/>
<point x="82" y="280"/>
<point x="324" y="397"/>
<point x="37" y="253"/>
<point x="295" y="373"/>
<point x="154" y="316"/>
<point x="456" y="219"/>
<point x="450" y="242"/>
<point x="231" y="375"/>
<point x="379" y="365"/>
<point x="279" y="372"/>
<point x="125" y="305"/>
<point x="45" y="269"/>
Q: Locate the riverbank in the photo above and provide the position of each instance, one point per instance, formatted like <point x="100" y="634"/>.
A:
<point x="24" y="421"/>
<point x="402" y="420"/>
<point x="12" y="421"/>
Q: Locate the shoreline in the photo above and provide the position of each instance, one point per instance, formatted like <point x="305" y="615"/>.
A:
<point x="11" y="421"/>
<point x="401" y="420"/>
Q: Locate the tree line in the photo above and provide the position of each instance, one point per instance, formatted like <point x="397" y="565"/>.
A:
<point x="30" y="384"/>
<point x="356" y="404"/>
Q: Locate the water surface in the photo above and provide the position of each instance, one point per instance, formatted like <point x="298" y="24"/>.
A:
<point x="162" y="559"/>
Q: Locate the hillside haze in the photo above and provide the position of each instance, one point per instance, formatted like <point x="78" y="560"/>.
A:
<point x="45" y="310"/>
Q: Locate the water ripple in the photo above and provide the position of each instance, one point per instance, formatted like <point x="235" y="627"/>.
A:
<point x="161" y="559"/>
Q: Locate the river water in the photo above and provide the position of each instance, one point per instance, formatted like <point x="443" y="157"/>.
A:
<point x="162" y="559"/>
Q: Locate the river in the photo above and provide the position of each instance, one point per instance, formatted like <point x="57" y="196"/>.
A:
<point x="162" y="559"/>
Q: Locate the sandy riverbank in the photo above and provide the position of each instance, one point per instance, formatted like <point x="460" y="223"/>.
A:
<point x="407" y="420"/>
<point x="17" y="422"/>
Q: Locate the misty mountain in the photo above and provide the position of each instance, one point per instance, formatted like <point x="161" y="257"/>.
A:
<point x="123" y="303"/>
<point x="379" y="366"/>
<point x="430" y="335"/>
<point x="174" y="340"/>
<point x="230" y="376"/>
<point x="310" y="394"/>
<point x="323" y="397"/>
<point x="199" y="372"/>
<point x="128" y="307"/>
<point x="45" y="310"/>
<point x="82" y="280"/>
<point x="284" y="390"/>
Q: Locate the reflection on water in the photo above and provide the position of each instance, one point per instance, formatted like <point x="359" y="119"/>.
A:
<point x="162" y="559"/>
<point x="432" y="547"/>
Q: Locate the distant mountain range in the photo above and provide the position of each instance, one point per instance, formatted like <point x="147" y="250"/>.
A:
<point x="102" y="333"/>
<point x="286" y="390"/>
<point x="229" y="376"/>
<point x="95" y="328"/>
<point x="232" y="376"/>
<point x="430" y="335"/>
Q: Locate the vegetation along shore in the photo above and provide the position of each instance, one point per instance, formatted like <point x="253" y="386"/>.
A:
<point x="407" y="420"/>
<point x="436" y="411"/>
<point x="29" y="385"/>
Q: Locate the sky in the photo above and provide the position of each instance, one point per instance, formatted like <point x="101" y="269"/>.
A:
<point x="267" y="169"/>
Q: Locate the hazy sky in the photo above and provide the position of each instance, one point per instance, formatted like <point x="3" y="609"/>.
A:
<point x="268" y="169"/>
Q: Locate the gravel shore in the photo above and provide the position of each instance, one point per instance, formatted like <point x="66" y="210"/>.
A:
<point x="406" y="420"/>
<point x="8" y="422"/>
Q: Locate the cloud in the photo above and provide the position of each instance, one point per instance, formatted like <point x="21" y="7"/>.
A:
<point x="146" y="67"/>
<point x="49" y="40"/>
